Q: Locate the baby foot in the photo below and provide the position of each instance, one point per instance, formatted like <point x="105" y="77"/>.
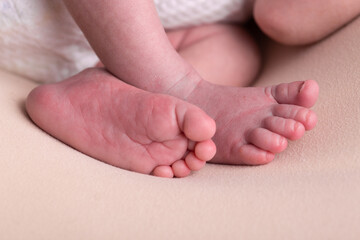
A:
<point x="124" y="126"/>
<point x="253" y="124"/>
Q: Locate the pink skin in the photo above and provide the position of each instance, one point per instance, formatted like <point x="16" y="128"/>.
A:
<point x="211" y="47"/>
<point x="162" y="135"/>
<point x="303" y="22"/>
<point x="252" y="123"/>
<point x="124" y="126"/>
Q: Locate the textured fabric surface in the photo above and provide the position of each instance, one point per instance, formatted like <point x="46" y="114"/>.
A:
<point x="180" y="13"/>
<point x="39" y="39"/>
<point x="50" y="191"/>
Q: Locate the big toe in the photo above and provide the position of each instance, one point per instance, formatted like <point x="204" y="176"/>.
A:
<point x="195" y="123"/>
<point x="301" y="93"/>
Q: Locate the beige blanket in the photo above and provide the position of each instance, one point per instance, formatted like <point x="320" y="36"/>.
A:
<point x="311" y="191"/>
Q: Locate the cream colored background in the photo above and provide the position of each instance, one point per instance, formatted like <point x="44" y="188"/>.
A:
<point x="50" y="191"/>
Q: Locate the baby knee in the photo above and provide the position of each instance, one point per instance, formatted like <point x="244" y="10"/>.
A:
<point x="283" y="23"/>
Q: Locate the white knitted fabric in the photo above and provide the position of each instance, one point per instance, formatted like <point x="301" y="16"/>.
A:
<point x="40" y="40"/>
<point x="181" y="13"/>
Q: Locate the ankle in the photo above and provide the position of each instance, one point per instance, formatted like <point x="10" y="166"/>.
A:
<point x="185" y="86"/>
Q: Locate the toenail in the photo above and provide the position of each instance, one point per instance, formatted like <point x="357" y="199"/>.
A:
<point x="297" y="125"/>
<point x="311" y="120"/>
<point x="302" y="87"/>
<point x="308" y="117"/>
<point x="282" y="141"/>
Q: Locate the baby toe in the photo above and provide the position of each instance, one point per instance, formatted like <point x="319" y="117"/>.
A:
<point x="252" y="155"/>
<point x="163" y="171"/>
<point x="193" y="162"/>
<point x="299" y="93"/>
<point x="300" y="114"/>
<point x="288" y="128"/>
<point x="195" y="123"/>
<point x="205" y="150"/>
<point x="267" y="140"/>
<point x="180" y="169"/>
<point x="308" y="94"/>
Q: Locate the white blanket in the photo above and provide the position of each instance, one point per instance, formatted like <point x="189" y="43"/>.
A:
<point x="40" y="40"/>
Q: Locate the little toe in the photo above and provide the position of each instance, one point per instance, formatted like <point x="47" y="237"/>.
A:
<point x="195" y="123"/>
<point x="288" y="128"/>
<point x="180" y="169"/>
<point x="205" y="150"/>
<point x="252" y="155"/>
<point x="193" y="162"/>
<point x="163" y="171"/>
<point x="300" y="114"/>
<point x="267" y="140"/>
<point x="302" y="93"/>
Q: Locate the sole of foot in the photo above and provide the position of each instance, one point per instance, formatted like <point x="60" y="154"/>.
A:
<point x="126" y="127"/>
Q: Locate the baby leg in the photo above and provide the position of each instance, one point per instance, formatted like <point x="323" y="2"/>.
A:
<point x="252" y="123"/>
<point x="228" y="47"/>
<point x="302" y="22"/>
